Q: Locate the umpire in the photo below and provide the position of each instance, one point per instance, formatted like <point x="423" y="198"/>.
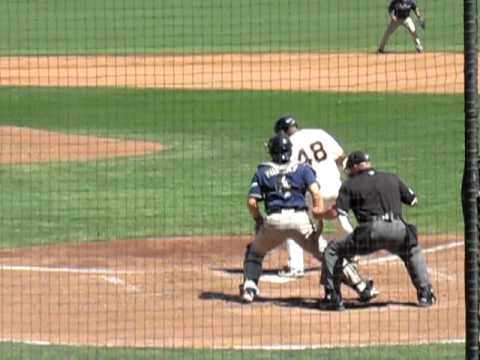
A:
<point x="376" y="200"/>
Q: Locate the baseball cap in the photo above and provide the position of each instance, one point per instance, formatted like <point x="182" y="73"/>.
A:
<point x="284" y="123"/>
<point x="355" y="158"/>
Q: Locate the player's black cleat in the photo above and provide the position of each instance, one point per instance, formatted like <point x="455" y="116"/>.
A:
<point x="369" y="292"/>
<point x="332" y="302"/>
<point x="426" y="297"/>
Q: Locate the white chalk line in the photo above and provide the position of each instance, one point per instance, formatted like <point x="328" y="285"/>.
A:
<point x="274" y="278"/>
<point x="439" y="275"/>
<point x="117" y="281"/>
<point x="392" y="258"/>
<point x="108" y="275"/>
<point x="46" y="269"/>
<point x="105" y="271"/>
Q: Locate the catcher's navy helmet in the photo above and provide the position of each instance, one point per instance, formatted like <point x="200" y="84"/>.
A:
<point x="280" y="148"/>
<point x="284" y="123"/>
<point x="355" y="158"/>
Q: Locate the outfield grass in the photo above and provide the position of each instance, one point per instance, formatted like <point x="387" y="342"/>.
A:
<point x="151" y="26"/>
<point x="424" y="352"/>
<point x="216" y="139"/>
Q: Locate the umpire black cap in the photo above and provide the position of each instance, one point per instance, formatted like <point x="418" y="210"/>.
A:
<point x="355" y="158"/>
<point x="284" y="123"/>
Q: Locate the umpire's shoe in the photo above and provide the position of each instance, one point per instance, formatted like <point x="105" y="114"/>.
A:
<point x="248" y="291"/>
<point x="426" y="297"/>
<point x="369" y="292"/>
<point x="332" y="301"/>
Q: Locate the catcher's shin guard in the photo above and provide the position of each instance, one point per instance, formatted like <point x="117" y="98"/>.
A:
<point x="252" y="265"/>
<point x="352" y="278"/>
<point x="350" y="275"/>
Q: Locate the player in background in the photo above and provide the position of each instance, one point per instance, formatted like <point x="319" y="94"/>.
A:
<point x="399" y="11"/>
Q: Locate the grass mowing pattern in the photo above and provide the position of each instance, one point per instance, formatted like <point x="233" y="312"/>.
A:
<point x="151" y="26"/>
<point x="216" y="139"/>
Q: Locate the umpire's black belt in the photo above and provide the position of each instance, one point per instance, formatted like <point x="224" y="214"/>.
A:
<point x="278" y="211"/>
<point x="385" y="217"/>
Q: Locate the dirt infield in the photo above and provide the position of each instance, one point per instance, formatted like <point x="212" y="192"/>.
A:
<point x="440" y="73"/>
<point x="183" y="292"/>
<point x="29" y="146"/>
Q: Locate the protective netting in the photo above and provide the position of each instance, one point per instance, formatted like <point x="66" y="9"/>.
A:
<point x="129" y="135"/>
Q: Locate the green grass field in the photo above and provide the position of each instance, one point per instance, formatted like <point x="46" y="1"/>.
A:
<point x="150" y="26"/>
<point x="424" y="352"/>
<point x="216" y="140"/>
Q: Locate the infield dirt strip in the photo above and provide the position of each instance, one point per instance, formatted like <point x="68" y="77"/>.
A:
<point x="183" y="292"/>
<point x="411" y="73"/>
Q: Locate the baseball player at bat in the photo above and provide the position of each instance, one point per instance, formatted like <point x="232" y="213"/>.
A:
<point x="399" y="11"/>
<point x="281" y="184"/>
<point x="324" y="154"/>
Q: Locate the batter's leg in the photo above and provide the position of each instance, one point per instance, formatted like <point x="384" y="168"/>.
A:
<point x="296" y="266"/>
<point x="392" y="27"/>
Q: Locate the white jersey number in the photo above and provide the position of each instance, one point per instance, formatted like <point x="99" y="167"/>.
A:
<point x="283" y="187"/>
<point x="318" y="153"/>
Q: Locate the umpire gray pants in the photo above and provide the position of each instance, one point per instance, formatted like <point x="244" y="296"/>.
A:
<point x="369" y="238"/>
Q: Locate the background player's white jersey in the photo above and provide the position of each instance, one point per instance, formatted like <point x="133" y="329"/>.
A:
<point x="320" y="149"/>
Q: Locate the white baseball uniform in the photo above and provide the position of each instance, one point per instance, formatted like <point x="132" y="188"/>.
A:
<point x="321" y="150"/>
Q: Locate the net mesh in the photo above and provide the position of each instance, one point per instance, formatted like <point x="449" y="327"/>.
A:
<point x="129" y="135"/>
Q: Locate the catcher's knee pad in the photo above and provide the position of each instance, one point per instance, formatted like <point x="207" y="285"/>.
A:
<point x="252" y="264"/>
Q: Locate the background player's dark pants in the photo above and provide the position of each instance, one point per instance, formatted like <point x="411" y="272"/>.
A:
<point x="369" y="238"/>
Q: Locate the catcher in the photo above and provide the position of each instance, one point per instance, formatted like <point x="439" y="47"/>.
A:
<point x="399" y="11"/>
<point x="282" y="185"/>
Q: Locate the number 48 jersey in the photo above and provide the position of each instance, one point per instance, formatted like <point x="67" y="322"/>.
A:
<point x="320" y="150"/>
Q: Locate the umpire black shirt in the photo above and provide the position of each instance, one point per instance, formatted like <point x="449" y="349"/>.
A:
<point x="372" y="193"/>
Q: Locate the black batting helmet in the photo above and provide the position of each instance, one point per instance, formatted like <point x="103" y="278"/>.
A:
<point x="355" y="158"/>
<point x="280" y="148"/>
<point x="284" y="123"/>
